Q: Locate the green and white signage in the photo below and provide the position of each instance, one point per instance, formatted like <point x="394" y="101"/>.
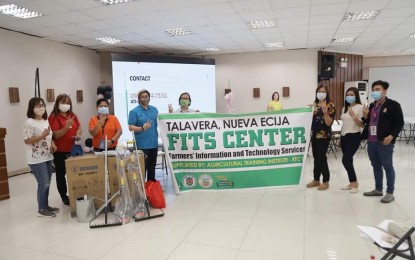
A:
<point x="234" y="151"/>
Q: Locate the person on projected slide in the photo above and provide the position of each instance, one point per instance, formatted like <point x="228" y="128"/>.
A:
<point x="143" y="121"/>
<point x="184" y="102"/>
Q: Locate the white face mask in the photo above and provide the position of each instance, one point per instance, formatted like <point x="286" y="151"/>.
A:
<point x="321" y="96"/>
<point x="64" y="107"/>
<point x="39" y="111"/>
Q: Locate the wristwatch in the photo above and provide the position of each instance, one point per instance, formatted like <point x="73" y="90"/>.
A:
<point x="112" y="141"/>
<point x="142" y="128"/>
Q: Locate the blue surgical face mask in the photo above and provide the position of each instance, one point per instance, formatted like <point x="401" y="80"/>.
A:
<point x="376" y="95"/>
<point x="103" y="110"/>
<point x="350" y="99"/>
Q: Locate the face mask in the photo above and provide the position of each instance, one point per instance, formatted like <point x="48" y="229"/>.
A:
<point x="350" y="99"/>
<point x="64" y="107"/>
<point x="184" y="102"/>
<point x="39" y="111"/>
<point x="376" y="95"/>
<point x="321" y="96"/>
<point x="103" y="110"/>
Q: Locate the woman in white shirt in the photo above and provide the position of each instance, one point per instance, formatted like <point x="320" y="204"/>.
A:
<point x="350" y="134"/>
<point x="39" y="149"/>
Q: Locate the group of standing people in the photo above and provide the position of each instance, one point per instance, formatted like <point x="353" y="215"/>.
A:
<point x="52" y="138"/>
<point x="381" y="121"/>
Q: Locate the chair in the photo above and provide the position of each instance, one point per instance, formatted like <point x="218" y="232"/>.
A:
<point x="163" y="164"/>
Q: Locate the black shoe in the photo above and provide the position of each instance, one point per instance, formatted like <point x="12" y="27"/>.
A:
<point x="45" y="213"/>
<point x="66" y="201"/>
<point x="56" y="210"/>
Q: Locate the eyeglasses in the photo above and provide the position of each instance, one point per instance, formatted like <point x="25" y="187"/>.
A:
<point x="40" y="106"/>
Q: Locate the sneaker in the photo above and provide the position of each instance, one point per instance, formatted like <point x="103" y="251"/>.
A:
<point x="45" y="213"/>
<point x="313" y="184"/>
<point x="353" y="190"/>
<point x="373" y="193"/>
<point x="65" y="201"/>
<point x="387" y="198"/>
<point x="347" y="187"/>
<point x="56" y="210"/>
<point x="323" y="186"/>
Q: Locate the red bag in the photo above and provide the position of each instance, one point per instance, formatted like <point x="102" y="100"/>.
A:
<point x="155" y="194"/>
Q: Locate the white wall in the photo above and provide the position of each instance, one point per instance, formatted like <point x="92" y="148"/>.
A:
<point x="393" y="61"/>
<point x="63" y="68"/>
<point x="269" y="71"/>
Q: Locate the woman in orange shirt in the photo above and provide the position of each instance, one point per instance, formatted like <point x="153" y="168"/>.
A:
<point x="103" y="125"/>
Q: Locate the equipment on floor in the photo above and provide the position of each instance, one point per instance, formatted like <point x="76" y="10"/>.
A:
<point x="123" y="205"/>
<point x="143" y="211"/>
<point x="110" y="218"/>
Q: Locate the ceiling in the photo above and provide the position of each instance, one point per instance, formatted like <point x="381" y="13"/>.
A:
<point x="221" y="24"/>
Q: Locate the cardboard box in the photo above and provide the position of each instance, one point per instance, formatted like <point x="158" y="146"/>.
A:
<point x="86" y="175"/>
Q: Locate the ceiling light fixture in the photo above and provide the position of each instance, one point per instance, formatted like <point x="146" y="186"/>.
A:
<point x="108" y="40"/>
<point x="210" y="49"/>
<point x="19" y="12"/>
<point x="343" y="40"/>
<point x="178" y="31"/>
<point x="361" y="15"/>
<point x="412" y="36"/>
<point x="260" y="24"/>
<point x="273" y="44"/>
<point x="113" y="2"/>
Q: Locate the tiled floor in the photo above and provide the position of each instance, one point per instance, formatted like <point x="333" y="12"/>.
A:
<point x="248" y="224"/>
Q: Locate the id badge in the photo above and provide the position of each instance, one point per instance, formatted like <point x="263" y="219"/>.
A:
<point x="373" y="130"/>
<point x="102" y="144"/>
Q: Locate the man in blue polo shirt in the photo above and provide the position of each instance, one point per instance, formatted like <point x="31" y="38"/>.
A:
<point x="143" y="121"/>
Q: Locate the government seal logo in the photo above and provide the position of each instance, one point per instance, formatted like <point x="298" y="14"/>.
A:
<point x="205" y="181"/>
<point x="189" y="181"/>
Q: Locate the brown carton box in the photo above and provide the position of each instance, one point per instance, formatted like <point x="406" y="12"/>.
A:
<point x="85" y="175"/>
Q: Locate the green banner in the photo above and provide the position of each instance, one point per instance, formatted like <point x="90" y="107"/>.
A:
<point x="228" y="151"/>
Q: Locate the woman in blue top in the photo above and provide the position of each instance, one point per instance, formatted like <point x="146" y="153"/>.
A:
<point x="143" y="121"/>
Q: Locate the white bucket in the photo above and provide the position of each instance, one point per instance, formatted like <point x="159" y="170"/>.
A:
<point x="85" y="210"/>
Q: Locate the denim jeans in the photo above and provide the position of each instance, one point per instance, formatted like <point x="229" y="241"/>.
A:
<point x="43" y="173"/>
<point x="381" y="156"/>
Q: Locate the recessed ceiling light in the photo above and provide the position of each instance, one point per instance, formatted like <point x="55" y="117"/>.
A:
<point x="113" y="2"/>
<point x="259" y="24"/>
<point x="412" y="36"/>
<point x="19" y="12"/>
<point x="273" y="44"/>
<point x="178" y="31"/>
<point x="363" y="15"/>
<point x="108" y="40"/>
<point x="342" y="40"/>
<point x="210" y="49"/>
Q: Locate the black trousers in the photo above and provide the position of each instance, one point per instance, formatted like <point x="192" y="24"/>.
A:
<point x="59" y="161"/>
<point x="319" y="148"/>
<point x="151" y="161"/>
<point x="349" y="144"/>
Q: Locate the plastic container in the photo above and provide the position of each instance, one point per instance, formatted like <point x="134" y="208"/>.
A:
<point x="85" y="210"/>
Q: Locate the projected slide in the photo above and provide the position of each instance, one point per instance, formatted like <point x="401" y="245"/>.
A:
<point x="165" y="82"/>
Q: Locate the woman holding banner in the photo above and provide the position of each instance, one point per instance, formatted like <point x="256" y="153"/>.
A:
<point x="184" y="102"/>
<point x="323" y="117"/>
